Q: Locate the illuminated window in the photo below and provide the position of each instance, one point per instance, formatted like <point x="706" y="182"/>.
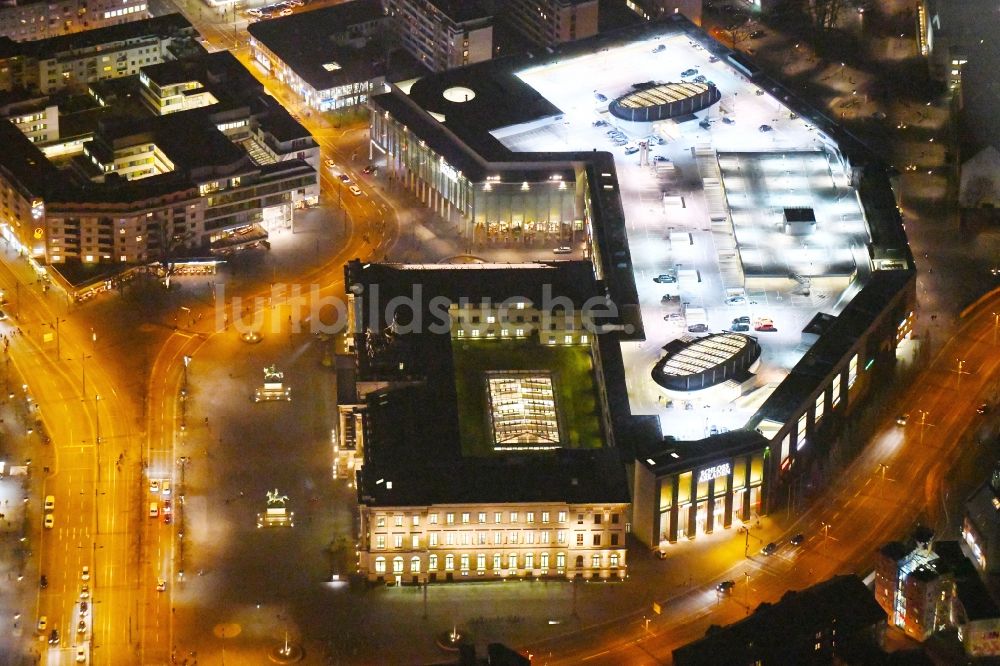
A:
<point x="432" y="563"/>
<point x="545" y="516"/>
<point x="414" y="541"/>
<point x="432" y="518"/>
<point x="433" y="539"/>
<point x="380" y="542"/>
<point x="398" y="521"/>
<point x="562" y="517"/>
<point x="481" y="562"/>
<point x="449" y="562"/>
<point x="498" y="517"/>
<point x="397" y="541"/>
<point x="561" y="536"/>
<point x="513" y="516"/>
<point x="614" y="560"/>
<point x="449" y="519"/>
<point x="397" y="565"/>
<point x="380" y="565"/>
<point x="595" y="561"/>
<point x="380" y="521"/>
<point x="465" y="563"/>
<point x="465" y="518"/>
<point x="414" y="564"/>
<point x="482" y="516"/>
<point x="512" y="561"/>
<point x="529" y="561"/>
<point x="497" y="562"/>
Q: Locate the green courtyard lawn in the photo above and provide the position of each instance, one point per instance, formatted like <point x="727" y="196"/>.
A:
<point x="572" y="374"/>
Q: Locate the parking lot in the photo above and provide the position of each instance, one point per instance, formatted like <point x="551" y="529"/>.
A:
<point x="705" y="196"/>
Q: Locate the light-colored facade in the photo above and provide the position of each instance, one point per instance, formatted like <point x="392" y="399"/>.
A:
<point x="37" y="119"/>
<point x="551" y="22"/>
<point x="442" y="35"/>
<point x="502" y="208"/>
<point x="493" y="541"/>
<point x="57" y="63"/>
<point x="25" y="21"/>
<point x="166" y="98"/>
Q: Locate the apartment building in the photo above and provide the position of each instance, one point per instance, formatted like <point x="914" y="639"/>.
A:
<point x="73" y="61"/>
<point x="551" y="22"/>
<point x="443" y="34"/>
<point x="155" y="186"/>
<point x="27" y="20"/>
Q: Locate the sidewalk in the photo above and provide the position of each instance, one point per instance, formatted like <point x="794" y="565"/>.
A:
<point x="20" y="523"/>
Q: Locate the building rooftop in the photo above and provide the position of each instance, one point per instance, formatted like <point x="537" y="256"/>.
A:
<point x="784" y="632"/>
<point x="421" y="371"/>
<point x="461" y="11"/>
<point x="163" y="26"/>
<point x="313" y="43"/>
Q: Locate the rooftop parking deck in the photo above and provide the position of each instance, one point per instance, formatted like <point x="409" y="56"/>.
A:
<point x="739" y="217"/>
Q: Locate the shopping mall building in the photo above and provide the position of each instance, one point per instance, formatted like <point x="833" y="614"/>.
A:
<point x="753" y="251"/>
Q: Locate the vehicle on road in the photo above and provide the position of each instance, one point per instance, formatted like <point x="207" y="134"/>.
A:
<point x="742" y="320"/>
<point x="740" y="328"/>
<point x="81" y="654"/>
<point x="713" y="58"/>
<point x="154" y="486"/>
<point x="84" y="591"/>
<point x="329" y="163"/>
<point x="725" y="587"/>
<point x="43" y="623"/>
<point x="600" y="97"/>
<point x="85" y="573"/>
<point x="765" y="328"/>
<point x="698" y="328"/>
<point x="83" y="608"/>
<point x="631" y="150"/>
<point x="665" y="278"/>
<point x="797" y="540"/>
<point x="757" y="34"/>
<point x="344" y="178"/>
<point x="701" y="78"/>
<point x="736" y="300"/>
<point x="371" y="168"/>
<point x="161" y="585"/>
<point x="770" y="549"/>
<point x="50" y="521"/>
<point x="765" y="128"/>
<point x="705" y="124"/>
<point x="355" y="190"/>
<point x="43" y="581"/>
<point x="902" y="419"/>
<point x="54" y="637"/>
<point x="728" y="120"/>
<point x="81" y="627"/>
<point x="562" y="250"/>
<point x="982" y="409"/>
<point x="165" y="488"/>
<point x="660" y="48"/>
<point x="689" y="72"/>
<point x="673" y="316"/>
<point x="661" y="554"/>
<point x="154" y="510"/>
<point x="600" y="123"/>
<point x="50" y="502"/>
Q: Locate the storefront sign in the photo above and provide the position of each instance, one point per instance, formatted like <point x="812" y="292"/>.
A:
<point x="713" y="472"/>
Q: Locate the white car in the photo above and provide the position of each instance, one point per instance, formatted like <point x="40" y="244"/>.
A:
<point x="563" y="250"/>
<point x="154" y="486"/>
<point x="85" y="574"/>
<point x="50" y="521"/>
<point x="355" y="190"/>
<point x="329" y="163"/>
<point x="84" y="591"/>
<point x="50" y="502"/>
<point x="161" y="585"/>
<point x="81" y="654"/>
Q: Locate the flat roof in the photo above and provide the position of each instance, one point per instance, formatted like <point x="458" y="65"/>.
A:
<point x="701" y="200"/>
<point x="162" y="26"/>
<point x="305" y="42"/>
<point x="415" y="433"/>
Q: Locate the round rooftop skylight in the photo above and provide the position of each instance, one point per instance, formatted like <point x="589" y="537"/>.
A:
<point x="458" y="94"/>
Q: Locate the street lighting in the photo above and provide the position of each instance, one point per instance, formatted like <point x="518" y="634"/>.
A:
<point x="960" y="371"/>
<point x="996" y="324"/>
<point x="747" y="575"/>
